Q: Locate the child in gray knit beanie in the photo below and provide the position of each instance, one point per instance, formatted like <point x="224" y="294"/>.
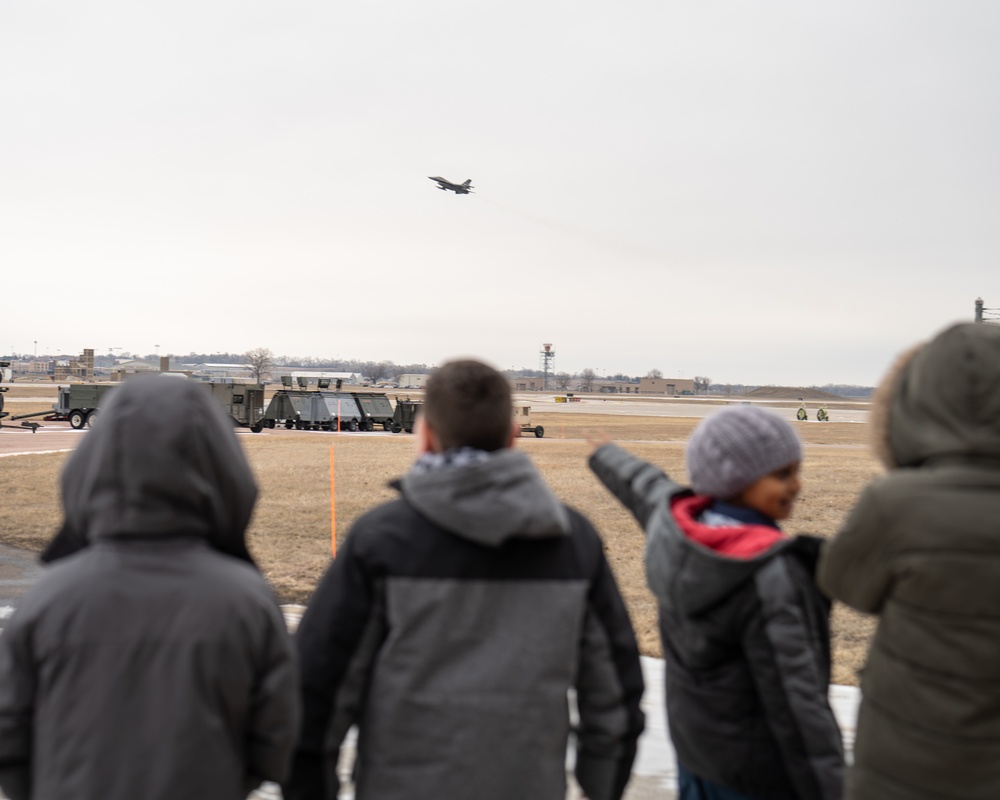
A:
<point x="745" y="630"/>
<point x="749" y="457"/>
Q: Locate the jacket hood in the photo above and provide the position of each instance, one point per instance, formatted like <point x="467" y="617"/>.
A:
<point x="738" y="540"/>
<point x="161" y="460"/>
<point x="943" y="399"/>
<point x="489" y="502"/>
<point x="698" y="575"/>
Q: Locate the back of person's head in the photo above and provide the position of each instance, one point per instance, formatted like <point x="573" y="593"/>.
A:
<point x="162" y="459"/>
<point x="468" y="404"/>
<point x="733" y="448"/>
<point x="942" y="399"/>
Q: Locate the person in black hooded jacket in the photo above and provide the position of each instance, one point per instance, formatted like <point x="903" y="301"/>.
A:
<point x="150" y="660"/>
<point x="745" y="631"/>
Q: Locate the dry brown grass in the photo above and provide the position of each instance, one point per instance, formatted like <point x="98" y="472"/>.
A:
<point x="29" y="399"/>
<point x="29" y="513"/>
<point x="290" y="532"/>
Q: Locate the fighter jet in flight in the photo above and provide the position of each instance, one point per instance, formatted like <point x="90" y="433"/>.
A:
<point x="457" y="188"/>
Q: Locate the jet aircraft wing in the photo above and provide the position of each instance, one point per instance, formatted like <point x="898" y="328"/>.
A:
<point x="458" y="188"/>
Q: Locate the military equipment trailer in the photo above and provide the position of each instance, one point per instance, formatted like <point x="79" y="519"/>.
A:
<point x="522" y="415"/>
<point x="312" y="411"/>
<point x="244" y="402"/>
<point x="80" y="403"/>
<point x="5" y="377"/>
<point x="376" y="409"/>
<point x="405" y="415"/>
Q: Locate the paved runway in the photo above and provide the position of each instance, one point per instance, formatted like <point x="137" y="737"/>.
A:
<point x="667" y="407"/>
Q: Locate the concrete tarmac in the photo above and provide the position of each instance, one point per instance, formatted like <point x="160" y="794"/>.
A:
<point x="542" y="403"/>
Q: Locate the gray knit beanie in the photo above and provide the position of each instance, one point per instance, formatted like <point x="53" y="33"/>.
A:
<point x="734" y="447"/>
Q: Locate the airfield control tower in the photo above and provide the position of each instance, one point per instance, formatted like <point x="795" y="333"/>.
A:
<point x="986" y="314"/>
<point x="546" y="357"/>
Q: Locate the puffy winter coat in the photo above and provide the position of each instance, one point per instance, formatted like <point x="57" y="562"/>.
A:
<point x="745" y="639"/>
<point x="450" y="628"/>
<point x="922" y="551"/>
<point x="150" y="660"/>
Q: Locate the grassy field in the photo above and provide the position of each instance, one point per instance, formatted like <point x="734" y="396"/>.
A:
<point x="290" y="534"/>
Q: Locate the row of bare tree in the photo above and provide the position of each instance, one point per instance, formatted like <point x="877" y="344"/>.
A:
<point x="262" y="361"/>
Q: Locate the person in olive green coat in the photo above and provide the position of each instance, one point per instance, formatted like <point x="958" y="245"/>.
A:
<point x="922" y="551"/>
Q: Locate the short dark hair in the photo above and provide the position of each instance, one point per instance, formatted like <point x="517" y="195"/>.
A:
<point x="468" y="404"/>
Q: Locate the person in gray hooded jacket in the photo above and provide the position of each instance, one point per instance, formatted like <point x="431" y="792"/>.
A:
<point x="455" y="620"/>
<point x="151" y="659"/>
<point x="921" y="550"/>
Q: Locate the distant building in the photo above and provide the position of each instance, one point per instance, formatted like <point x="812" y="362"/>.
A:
<point x="666" y="386"/>
<point x="413" y="380"/>
<point x="37" y="367"/>
<point x="527" y="384"/>
<point x="124" y="370"/>
<point x="616" y="387"/>
<point x="208" y="370"/>
<point x="81" y="369"/>
<point x="600" y="386"/>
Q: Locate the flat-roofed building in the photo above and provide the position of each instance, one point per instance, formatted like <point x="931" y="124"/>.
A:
<point x="413" y="380"/>
<point x="666" y="386"/>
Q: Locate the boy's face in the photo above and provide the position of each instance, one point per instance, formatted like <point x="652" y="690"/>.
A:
<point x="774" y="494"/>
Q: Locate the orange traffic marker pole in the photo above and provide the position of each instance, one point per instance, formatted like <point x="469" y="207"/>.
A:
<point x="333" y="505"/>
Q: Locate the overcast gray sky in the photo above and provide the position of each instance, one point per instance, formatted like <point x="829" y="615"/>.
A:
<point x="759" y="192"/>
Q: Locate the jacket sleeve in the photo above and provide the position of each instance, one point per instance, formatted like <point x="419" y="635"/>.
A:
<point x="17" y="701"/>
<point x="854" y="567"/>
<point x="275" y="710"/>
<point x="639" y="486"/>
<point x="786" y="656"/>
<point x="609" y="689"/>
<point x="336" y="640"/>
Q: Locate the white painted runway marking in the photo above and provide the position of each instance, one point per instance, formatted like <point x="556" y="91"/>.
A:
<point x="36" y="452"/>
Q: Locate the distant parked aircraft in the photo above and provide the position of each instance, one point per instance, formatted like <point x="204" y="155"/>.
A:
<point x="457" y="188"/>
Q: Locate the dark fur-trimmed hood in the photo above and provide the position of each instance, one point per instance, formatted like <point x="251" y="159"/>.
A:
<point x="941" y="400"/>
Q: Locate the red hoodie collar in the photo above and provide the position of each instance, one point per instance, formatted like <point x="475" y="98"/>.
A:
<point x="737" y="541"/>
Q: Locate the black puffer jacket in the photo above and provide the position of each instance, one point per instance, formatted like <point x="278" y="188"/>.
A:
<point x="746" y="644"/>
<point x="922" y="550"/>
